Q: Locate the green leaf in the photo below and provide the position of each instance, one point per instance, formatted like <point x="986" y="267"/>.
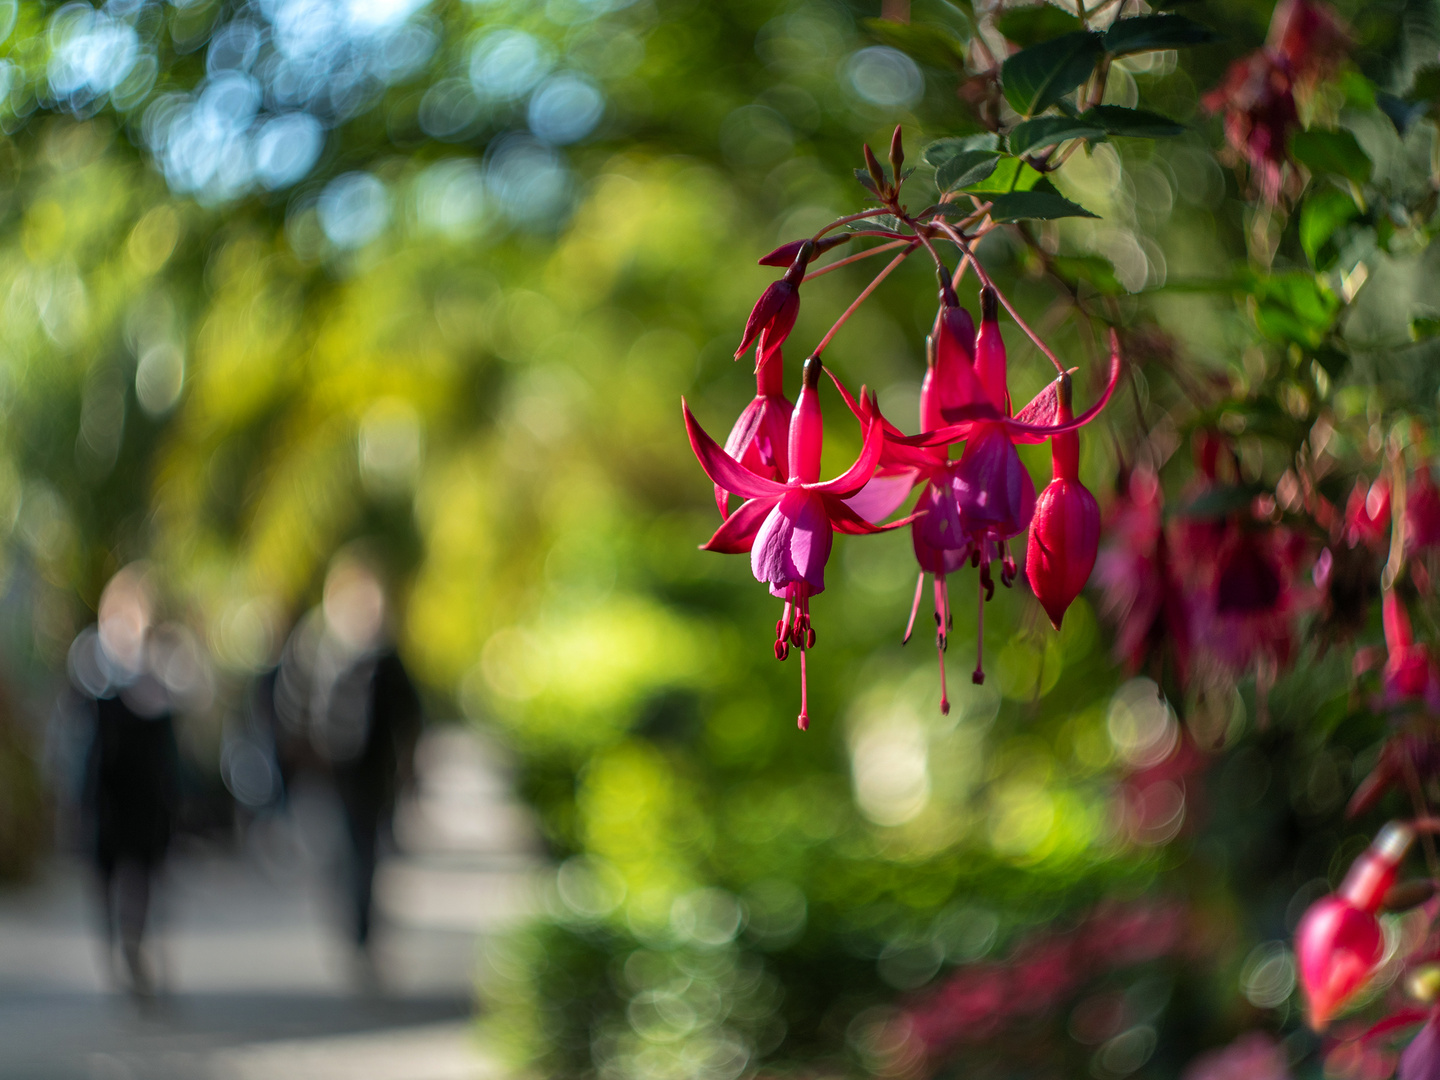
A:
<point x="1294" y="306"/>
<point x="1048" y="130"/>
<point x="966" y="168"/>
<point x="1422" y="328"/>
<point x="1134" y="123"/>
<point x="1027" y="26"/>
<point x="1332" y="360"/>
<point x="942" y="150"/>
<point x="1325" y="210"/>
<point x="868" y="181"/>
<point x="1335" y="152"/>
<point x="1426" y="86"/>
<point x="1358" y="90"/>
<point x="1038" y="77"/>
<point x="934" y="46"/>
<point x="1020" y="205"/>
<point x="1011" y="174"/>
<point x="1146" y="33"/>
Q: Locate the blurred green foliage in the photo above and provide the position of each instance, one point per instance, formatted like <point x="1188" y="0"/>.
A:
<point x="226" y="382"/>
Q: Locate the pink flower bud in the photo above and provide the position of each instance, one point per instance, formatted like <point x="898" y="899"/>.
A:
<point x="1065" y="531"/>
<point x="1338" y="944"/>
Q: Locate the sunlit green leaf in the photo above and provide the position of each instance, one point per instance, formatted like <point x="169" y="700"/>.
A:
<point x="1011" y="174"/>
<point x="942" y="150"/>
<point x="1324" y="211"/>
<point x="1037" y="77"/>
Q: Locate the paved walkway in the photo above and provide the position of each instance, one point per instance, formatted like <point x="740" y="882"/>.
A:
<point x="259" y="982"/>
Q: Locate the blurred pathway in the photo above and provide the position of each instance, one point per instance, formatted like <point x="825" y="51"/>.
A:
<point x="260" y="982"/>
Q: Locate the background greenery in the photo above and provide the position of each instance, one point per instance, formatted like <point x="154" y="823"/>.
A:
<point x="468" y="344"/>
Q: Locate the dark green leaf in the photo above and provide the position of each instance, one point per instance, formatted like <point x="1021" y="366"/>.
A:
<point x="1048" y="130"/>
<point x="1332" y="360"/>
<point x="1037" y="77"/>
<point x="1426" y="86"/>
<point x="966" y="168"/>
<point x="1325" y="210"/>
<point x="1146" y="33"/>
<point x="1011" y="174"/>
<point x="1335" y="152"/>
<point x="1135" y="123"/>
<point x="935" y="46"/>
<point x="1020" y="205"/>
<point x="1027" y="26"/>
<point x="868" y="181"/>
<point x="1423" y="328"/>
<point x="942" y="150"/>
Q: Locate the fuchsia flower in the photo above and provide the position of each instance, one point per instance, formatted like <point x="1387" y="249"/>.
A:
<point x="759" y="439"/>
<point x="1249" y="597"/>
<point x="1338" y="944"/>
<point x="1142" y="594"/>
<point x="1310" y="36"/>
<point x="1422" y="512"/>
<point x="1258" y="102"/>
<point x="1367" y="513"/>
<point x="994" y="494"/>
<point x="788" y="527"/>
<point x="773" y="316"/>
<point x="1065" y="535"/>
<point x="1410" y="673"/>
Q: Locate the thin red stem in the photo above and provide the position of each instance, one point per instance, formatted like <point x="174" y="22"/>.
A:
<point x="875" y="284"/>
<point x="985" y="278"/>
<point x="857" y="257"/>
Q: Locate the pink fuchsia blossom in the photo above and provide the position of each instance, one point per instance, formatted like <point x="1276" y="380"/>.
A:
<point x="1141" y="594"/>
<point x="1065" y="532"/>
<point x="993" y="490"/>
<point x="1367" y="513"/>
<point x="1258" y="103"/>
<point x="1410" y="673"/>
<point x="1422" y="512"/>
<point x="773" y="316"/>
<point x="760" y="438"/>
<point x="788" y="528"/>
<point x="1421" y="1059"/>
<point x="1310" y="36"/>
<point x="1339" y="944"/>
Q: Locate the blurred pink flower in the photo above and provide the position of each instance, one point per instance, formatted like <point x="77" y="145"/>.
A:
<point x="1253" y="1056"/>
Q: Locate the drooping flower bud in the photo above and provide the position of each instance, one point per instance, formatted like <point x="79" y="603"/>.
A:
<point x="990" y="353"/>
<point x="1409" y="671"/>
<point x="773" y="316"/>
<point x="760" y="439"/>
<point x="785" y="254"/>
<point x="1065" y="531"/>
<point x="1338" y="944"/>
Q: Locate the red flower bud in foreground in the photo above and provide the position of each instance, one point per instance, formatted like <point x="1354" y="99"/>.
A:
<point x="1338" y="944"/>
<point x="1065" y="531"/>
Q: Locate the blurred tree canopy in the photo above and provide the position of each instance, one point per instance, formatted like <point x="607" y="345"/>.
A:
<point x="283" y="274"/>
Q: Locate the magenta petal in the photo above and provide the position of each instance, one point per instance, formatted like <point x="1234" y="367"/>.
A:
<point x="859" y="474"/>
<point x="763" y="312"/>
<point x="993" y="487"/>
<point x="883" y="495"/>
<point x="723" y="470"/>
<point x="737" y="534"/>
<point x="793" y="543"/>
<point x="1021" y="430"/>
<point x="845" y="520"/>
<point x="941" y="528"/>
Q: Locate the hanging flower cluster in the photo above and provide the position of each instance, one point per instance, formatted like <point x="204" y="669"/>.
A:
<point x="970" y="506"/>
